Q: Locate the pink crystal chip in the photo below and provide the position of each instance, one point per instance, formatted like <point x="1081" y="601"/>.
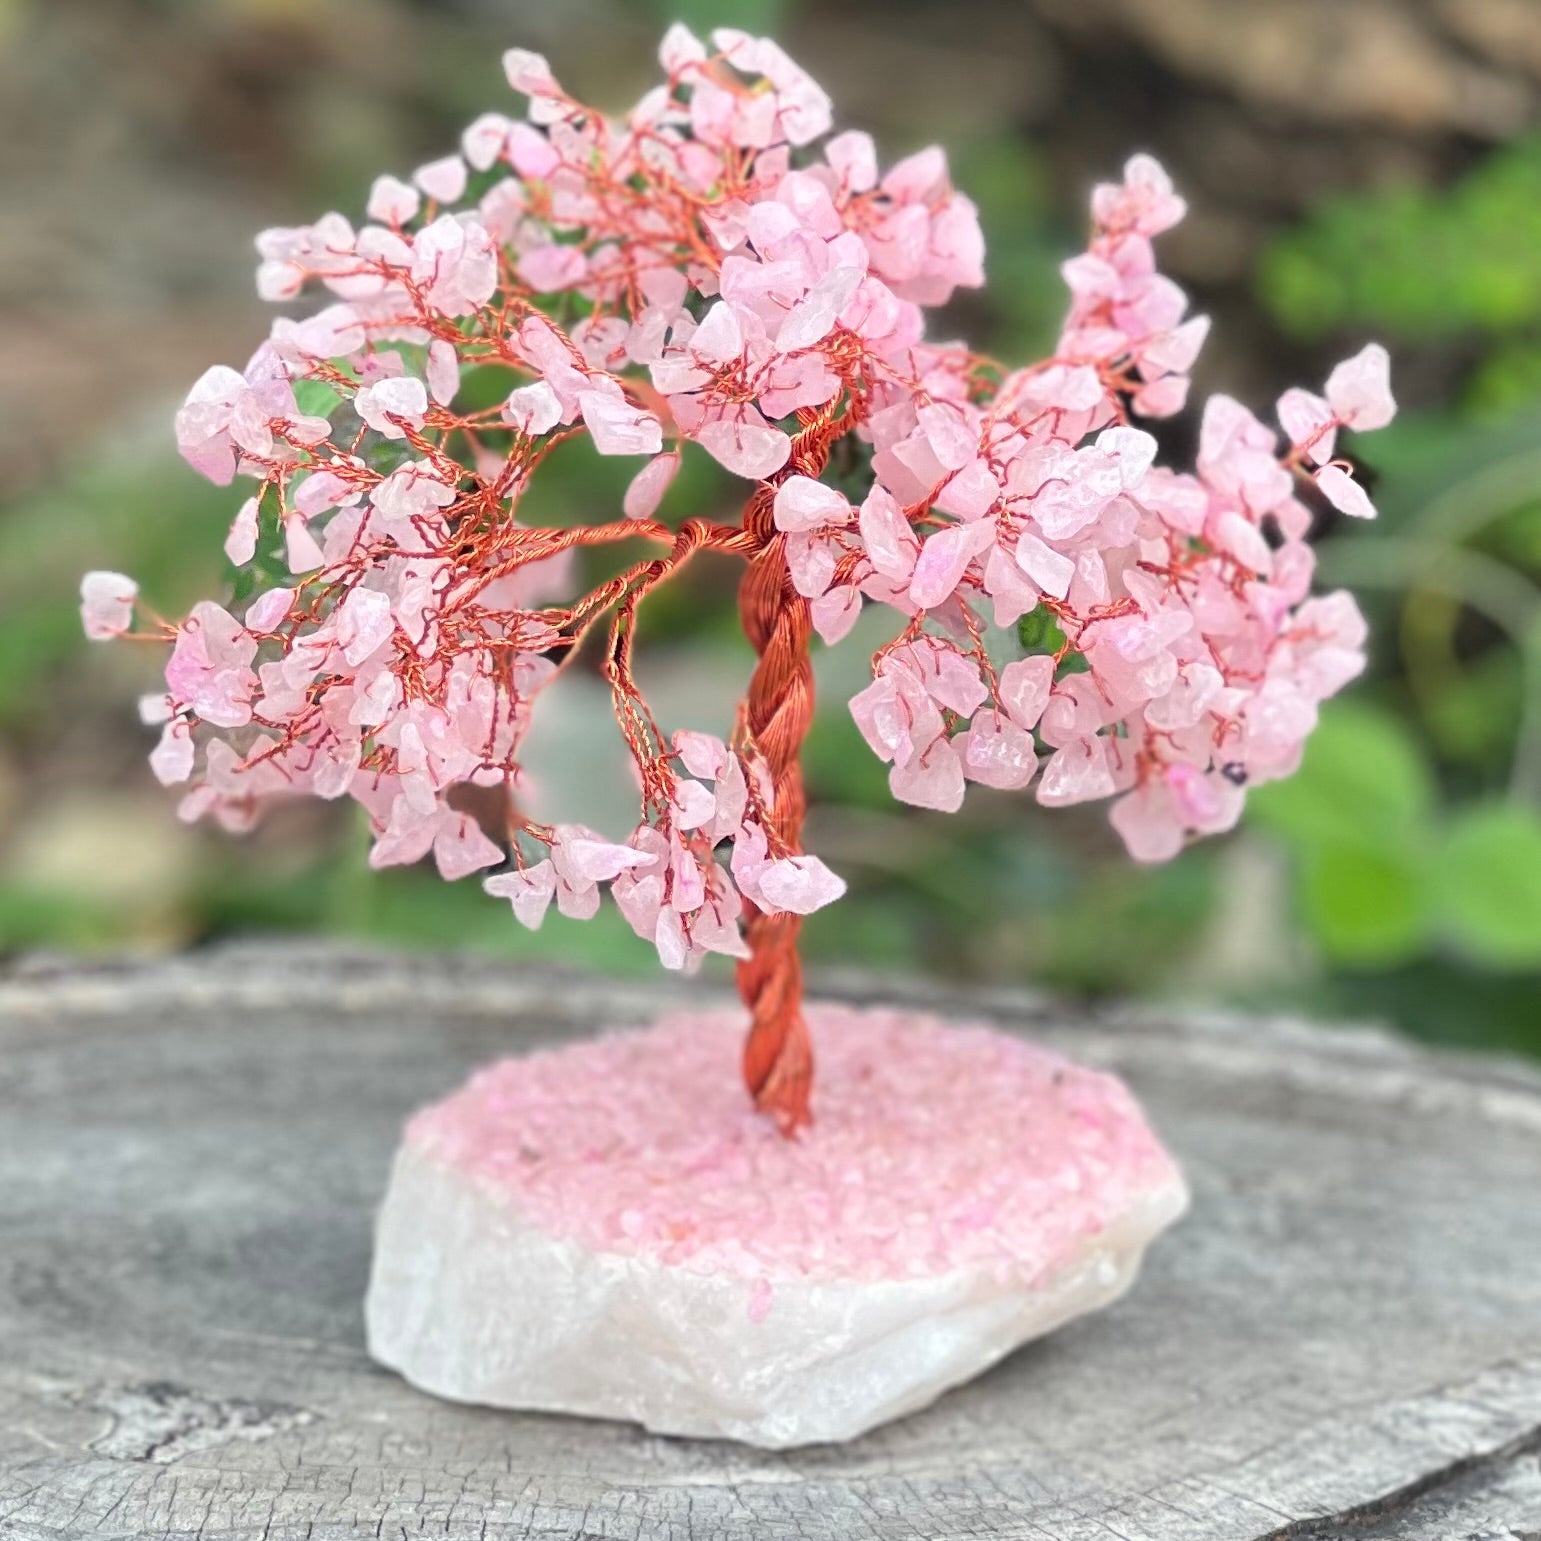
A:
<point x="936" y="1147"/>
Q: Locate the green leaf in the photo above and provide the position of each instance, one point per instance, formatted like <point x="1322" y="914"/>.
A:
<point x="1039" y="632"/>
<point x="315" y="398"/>
<point x="1488" y="890"/>
<point x="1366" y="904"/>
<point x="1358" y="816"/>
<point x="1364" y="781"/>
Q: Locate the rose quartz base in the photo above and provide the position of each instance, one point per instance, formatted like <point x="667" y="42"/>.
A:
<point x="607" y="1229"/>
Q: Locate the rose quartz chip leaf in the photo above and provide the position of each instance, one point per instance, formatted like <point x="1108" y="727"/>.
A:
<point x="107" y="604"/>
<point x="392" y="405"/>
<point x="1147" y="824"/>
<point x="933" y="779"/>
<point x="1310" y="424"/>
<point x="694" y="805"/>
<point x="1344" y="493"/>
<point x="301" y="551"/>
<point x="268" y="609"/>
<point x="810" y="321"/>
<point x="801" y="884"/>
<point x="649" y="485"/>
<point x="443" y="180"/>
<point x="485" y="140"/>
<point x="617" y="427"/>
<point x="1051" y="570"/>
<point x="702" y="754"/>
<point x="172" y="758"/>
<point x="461" y="848"/>
<point x="552" y="268"/>
<point x="392" y="201"/>
<point x="533" y="409"/>
<point x="596" y="861"/>
<point x="241" y="543"/>
<point x="943" y="559"/>
<point x="1024" y="688"/>
<point x="891" y="544"/>
<point x="1077" y="773"/>
<point x="998" y="753"/>
<point x="528" y="890"/>
<point x="443" y="371"/>
<point x="749" y="449"/>
<point x="719" y="339"/>
<point x="834" y="613"/>
<point x="528" y="72"/>
<point x="1359" y="390"/>
<point x="802" y="503"/>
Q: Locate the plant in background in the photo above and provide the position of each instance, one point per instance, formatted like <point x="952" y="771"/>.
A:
<point x="1418" y="834"/>
<point x="696" y="274"/>
<point x="1430" y="265"/>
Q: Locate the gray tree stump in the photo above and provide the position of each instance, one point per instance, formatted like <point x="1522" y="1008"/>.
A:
<point x="1344" y="1339"/>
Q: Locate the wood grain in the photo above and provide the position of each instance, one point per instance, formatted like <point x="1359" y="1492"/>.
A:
<point x="1343" y="1340"/>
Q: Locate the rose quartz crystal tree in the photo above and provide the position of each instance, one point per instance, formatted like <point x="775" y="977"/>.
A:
<point x="697" y="273"/>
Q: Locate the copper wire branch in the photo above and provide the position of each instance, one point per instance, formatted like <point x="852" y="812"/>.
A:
<point x="778" y="1057"/>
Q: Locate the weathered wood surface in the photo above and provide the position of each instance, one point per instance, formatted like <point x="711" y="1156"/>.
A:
<point x="1344" y="1339"/>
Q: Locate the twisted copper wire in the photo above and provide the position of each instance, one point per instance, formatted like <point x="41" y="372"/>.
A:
<point x="778" y="1056"/>
<point x="778" y="1059"/>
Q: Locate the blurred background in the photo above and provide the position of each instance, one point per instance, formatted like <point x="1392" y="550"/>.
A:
<point x="1359" y="171"/>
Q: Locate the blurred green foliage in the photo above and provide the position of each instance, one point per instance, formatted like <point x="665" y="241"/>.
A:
<point x="1358" y="816"/>
<point x="1414" y="825"/>
<point x="1418" y="262"/>
<point x="1428" y="265"/>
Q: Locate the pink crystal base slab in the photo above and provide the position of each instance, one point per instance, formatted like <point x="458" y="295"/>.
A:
<point x="608" y="1229"/>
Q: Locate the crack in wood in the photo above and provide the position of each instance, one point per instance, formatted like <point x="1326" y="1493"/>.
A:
<point x="1467" y="1479"/>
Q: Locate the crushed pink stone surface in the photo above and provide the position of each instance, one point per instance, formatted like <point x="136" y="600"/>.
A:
<point x="936" y="1147"/>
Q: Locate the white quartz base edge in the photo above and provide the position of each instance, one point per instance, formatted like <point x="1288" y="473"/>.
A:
<point x="471" y="1303"/>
